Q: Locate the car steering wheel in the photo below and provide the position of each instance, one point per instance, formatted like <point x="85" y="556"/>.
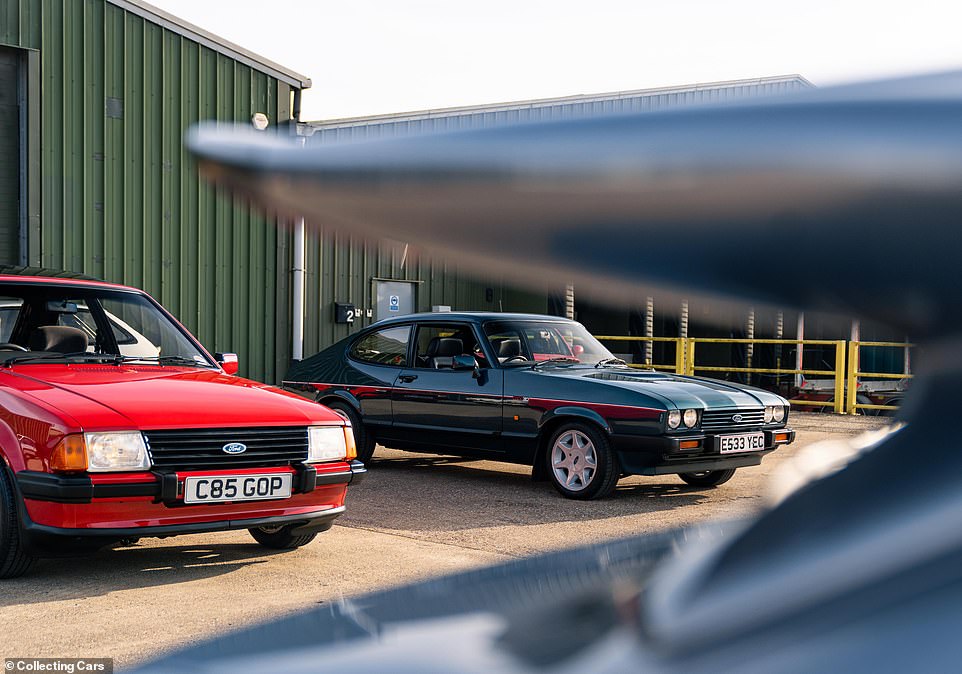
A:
<point x="511" y="358"/>
<point x="10" y="346"/>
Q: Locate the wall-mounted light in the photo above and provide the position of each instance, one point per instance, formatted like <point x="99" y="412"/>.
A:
<point x="259" y="120"/>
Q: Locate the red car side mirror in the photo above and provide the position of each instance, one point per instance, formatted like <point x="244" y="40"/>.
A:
<point x="228" y="362"/>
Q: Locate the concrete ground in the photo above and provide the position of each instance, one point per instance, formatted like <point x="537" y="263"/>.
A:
<point x="415" y="516"/>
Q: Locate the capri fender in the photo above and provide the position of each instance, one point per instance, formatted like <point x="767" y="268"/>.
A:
<point x="343" y="395"/>
<point x="551" y="420"/>
<point x="573" y="413"/>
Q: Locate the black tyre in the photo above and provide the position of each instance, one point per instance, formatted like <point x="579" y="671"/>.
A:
<point x="14" y="561"/>
<point x="280" y="538"/>
<point x="362" y="437"/>
<point x="580" y="462"/>
<point x="708" y="478"/>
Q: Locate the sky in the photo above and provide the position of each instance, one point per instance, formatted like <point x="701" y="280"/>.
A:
<point x="369" y="57"/>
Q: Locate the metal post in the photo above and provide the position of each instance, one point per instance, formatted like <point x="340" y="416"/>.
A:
<point x="570" y="302"/>
<point x="649" y="328"/>
<point x="851" y="384"/>
<point x="799" y="352"/>
<point x="297" y="327"/>
<point x="840" y="377"/>
<point x="688" y="349"/>
<point x="779" y="334"/>
<point x="297" y="291"/>
<point x="854" y="358"/>
<point x="750" y="347"/>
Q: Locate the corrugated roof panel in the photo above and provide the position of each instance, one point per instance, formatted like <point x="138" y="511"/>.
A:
<point x="449" y="119"/>
<point x="196" y="34"/>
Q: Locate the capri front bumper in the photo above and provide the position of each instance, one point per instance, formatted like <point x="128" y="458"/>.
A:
<point x="690" y="453"/>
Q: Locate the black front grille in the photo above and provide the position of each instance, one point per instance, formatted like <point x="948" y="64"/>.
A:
<point x="718" y="420"/>
<point x="203" y="448"/>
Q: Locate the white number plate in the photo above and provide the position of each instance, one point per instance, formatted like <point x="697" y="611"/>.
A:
<point x="237" y="488"/>
<point x="746" y="442"/>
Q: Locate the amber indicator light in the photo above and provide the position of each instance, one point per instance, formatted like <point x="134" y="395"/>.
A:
<point x="351" y="452"/>
<point x="70" y="454"/>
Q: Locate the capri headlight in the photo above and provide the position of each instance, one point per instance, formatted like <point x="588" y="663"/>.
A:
<point x="769" y="414"/>
<point x="778" y="413"/>
<point x="674" y="418"/>
<point x="116" y="451"/>
<point x="690" y="418"/>
<point x="327" y="443"/>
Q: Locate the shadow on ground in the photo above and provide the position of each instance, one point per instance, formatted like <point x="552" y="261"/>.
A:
<point x="123" y="568"/>
<point x="473" y="494"/>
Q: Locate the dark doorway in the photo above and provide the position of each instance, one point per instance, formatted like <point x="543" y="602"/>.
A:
<point x="10" y="156"/>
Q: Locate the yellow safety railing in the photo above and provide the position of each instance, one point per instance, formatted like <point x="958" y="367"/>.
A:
<point x="853" y="374"/>
<point x="838" y="401"/>
<point x="845" y="375"/>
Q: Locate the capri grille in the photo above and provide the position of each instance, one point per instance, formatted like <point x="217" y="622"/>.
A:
<point x="732" y="419"/>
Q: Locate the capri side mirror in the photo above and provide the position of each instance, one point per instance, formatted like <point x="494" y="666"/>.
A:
<point x="467" y="363"/>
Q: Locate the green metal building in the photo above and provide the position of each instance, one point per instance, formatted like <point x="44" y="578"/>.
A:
<point x="95" y="96"/>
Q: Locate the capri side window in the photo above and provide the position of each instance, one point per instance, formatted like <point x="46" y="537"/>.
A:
<point x="384" y="347"/>
<point x="437" y="345"/>
<point x="506" y="342"/>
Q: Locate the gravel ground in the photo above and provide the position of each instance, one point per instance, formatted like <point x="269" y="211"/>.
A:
<point x="415" y="516"/>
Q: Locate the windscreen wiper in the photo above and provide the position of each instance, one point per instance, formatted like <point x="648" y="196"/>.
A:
<point x="165" y="360"/>
<point x="560" y="359"/>
<point x="83" y="356"/>
<point x="610" y="361"/>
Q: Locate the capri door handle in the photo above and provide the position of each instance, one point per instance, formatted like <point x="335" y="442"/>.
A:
<point x="408" y="378"/>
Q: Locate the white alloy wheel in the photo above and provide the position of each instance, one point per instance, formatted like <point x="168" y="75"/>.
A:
<point x="573" y="460"/>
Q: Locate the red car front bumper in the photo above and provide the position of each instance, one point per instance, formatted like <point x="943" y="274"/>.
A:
<point x="93" y="510"/>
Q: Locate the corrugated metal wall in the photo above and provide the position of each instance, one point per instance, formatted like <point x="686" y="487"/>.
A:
<point x="120" y="198"/>
<point x="343" y="269"/>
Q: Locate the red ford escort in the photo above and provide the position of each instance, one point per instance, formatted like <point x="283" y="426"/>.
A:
<point x="115" y="423"/>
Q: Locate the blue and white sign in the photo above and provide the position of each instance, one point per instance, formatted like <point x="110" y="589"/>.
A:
<point x="394" y="298"/>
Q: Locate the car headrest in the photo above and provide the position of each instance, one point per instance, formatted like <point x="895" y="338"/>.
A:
<point x="449" y="346"/>
<point x="59" y="338"/>
<point x="509" y="348"/>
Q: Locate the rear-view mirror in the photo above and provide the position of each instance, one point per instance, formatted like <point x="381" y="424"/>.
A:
<point x="61" y="307"/>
